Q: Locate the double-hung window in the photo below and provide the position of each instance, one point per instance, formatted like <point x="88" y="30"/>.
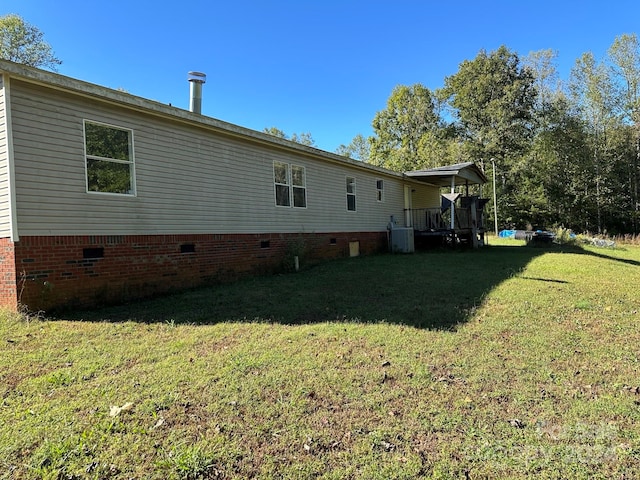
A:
<point x="290" y="185"/>
<point x="109" y="159"/>
<point x="380" y="190"/>
<point x="282" y="185"/>
<point x="299" y="182"/>
<point x="351" y="194"/>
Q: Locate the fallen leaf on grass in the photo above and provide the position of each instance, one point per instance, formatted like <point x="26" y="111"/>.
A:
<point x="158" y="424"/>
<point x="516" y="423"/>
<point x="387" y="446"/>
<point x="115" y="410"/>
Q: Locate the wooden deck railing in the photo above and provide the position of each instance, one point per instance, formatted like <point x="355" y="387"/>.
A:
<point x="433" y="219"/>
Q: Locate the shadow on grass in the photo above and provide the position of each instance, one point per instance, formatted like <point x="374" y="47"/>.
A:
<point x="627" y="261"/>
<point x="433" y="290"/>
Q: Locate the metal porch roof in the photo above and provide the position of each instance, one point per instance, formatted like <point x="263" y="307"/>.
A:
<point x="463" y="173"/>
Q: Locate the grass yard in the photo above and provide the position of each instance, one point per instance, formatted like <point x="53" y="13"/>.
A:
<point x="508" y="362"/>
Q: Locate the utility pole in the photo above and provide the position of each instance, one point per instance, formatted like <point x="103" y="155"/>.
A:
<point x="495" y="203"/>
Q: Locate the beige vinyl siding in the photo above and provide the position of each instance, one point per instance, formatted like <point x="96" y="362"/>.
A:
<point x="425" y="197"/>
<point x="5" y="196"/>
<point x="189" y="179"/>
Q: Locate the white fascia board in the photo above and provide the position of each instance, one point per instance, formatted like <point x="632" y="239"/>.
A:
<point x="13" y="214"/>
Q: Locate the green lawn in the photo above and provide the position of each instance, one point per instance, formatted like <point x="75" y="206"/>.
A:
<point x="508" y="362"/>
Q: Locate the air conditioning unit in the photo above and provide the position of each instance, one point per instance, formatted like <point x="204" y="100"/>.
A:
<point x="402" y="240"/>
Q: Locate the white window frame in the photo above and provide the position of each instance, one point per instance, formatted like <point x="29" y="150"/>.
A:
<point x="130" y="161"/>
<point x="380" y="190"/>
<point x="277" y="184"/>
<point x="302" y="186"/>
<point x="290" y="186"/>
<point x="351" y="193"/>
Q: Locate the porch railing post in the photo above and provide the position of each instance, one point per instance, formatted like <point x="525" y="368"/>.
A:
<point x="453" y="205"/>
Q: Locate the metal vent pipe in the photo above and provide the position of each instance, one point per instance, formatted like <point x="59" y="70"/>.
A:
<point x="196" y="79"/>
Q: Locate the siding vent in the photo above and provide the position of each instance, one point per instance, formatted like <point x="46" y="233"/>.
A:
<point x="265" y="244"/>
<point x="333" y="241"/>
<point x="97" y="252"/>
<point x="187" y="248"/>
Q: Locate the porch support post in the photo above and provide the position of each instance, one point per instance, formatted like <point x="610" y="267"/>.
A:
<point x="474" y="222"/>
<point x="453" y="205"/>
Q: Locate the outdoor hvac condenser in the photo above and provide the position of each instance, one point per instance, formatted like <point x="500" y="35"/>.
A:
<point x="402" y="240"/>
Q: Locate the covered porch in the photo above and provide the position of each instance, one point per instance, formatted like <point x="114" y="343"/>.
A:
<point x="460" y="216"/>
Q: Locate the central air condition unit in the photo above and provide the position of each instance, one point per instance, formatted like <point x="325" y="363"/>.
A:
<point x="402" y="240"/>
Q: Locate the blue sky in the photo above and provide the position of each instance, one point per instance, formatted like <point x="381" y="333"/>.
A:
<point x="324" y="67"/>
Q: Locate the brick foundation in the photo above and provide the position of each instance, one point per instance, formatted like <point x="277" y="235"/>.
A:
<point x="8" y="284"/>
<point x="48" y="273"/>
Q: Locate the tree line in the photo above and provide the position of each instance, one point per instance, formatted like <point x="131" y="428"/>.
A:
<point x="565" y="153"/>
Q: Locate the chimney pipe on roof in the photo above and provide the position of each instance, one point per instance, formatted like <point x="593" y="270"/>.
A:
<point x="196" y="79"/>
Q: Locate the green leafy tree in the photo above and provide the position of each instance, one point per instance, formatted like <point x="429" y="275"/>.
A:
<point x="302" y="138"/>
<point x="542" y="66"/>
<point x="358" y="149"/>
<point x="543" y="172"/>
<point x="581" y="170"/>
<point x="406" y="132"/>
<point x="593" y="93"/>
<point x="24" y="43"/>
<point x="625" y="56"/>
<point x="552" y="178"/>
<point x="276" y="132"/>
<point x="492" y="99"/>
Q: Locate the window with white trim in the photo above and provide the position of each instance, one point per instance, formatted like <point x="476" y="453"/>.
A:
<point x="281" y="183"/>
<point x="351" y="194"/>
<point x="380" y="190"/>
<point x="109" y="159"/>
<point x="290" y="185"/>
<point x="299" y="182"/>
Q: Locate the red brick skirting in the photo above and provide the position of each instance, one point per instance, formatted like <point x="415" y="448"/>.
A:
<point x="8" y="289"/>
<point x="47" y="273"/>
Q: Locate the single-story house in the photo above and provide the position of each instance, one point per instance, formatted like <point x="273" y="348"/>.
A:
<point x="106" y="196"/>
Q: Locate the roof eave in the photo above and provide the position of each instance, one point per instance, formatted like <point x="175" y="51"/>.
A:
<point x="104" y="94"/>
<point x="467" y="173"/>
